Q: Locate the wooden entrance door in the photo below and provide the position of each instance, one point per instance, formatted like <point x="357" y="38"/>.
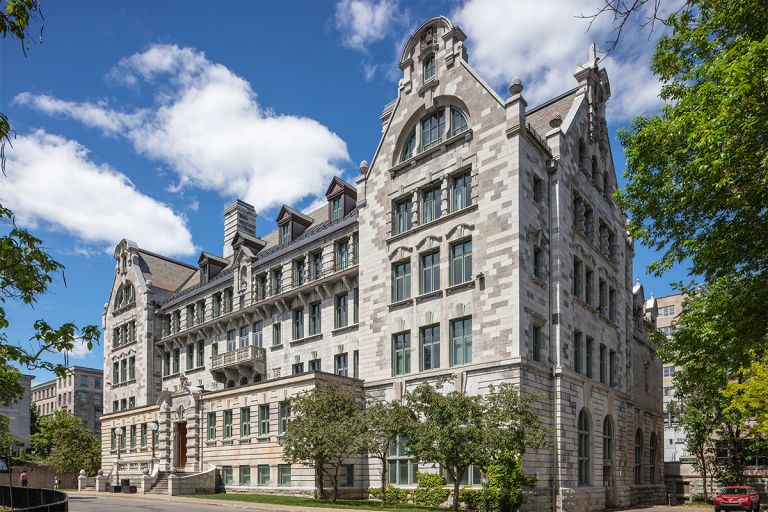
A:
<point x="181" y="445"/>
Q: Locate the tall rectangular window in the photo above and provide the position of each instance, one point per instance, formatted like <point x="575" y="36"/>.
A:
<point x="190" y="356"/>
<point x="402" y="216"/>
<point x="113" y="439"/>
<point x="284" y="475"/>
<point x="263" y="475"/>
<point x="257" y="341"/>
<point x="356" y="305"/>
<point x="461" y="262"/>
<point x="124" y="370"/>
<point x="461" y="192"/>
<point x="341" y="254"/>
<point x="401" y="353"/>
<point x="264" y="419"/>
<point x="190" y="316"/>
<point x="401" y="465"/>
<point x="429" y="67"/>
<point x="588" y="280"/>
<point x="430" y="347"/>
<point x="116" y="371"/>
<point x="201" y="311"/>
<point x="132" y="368"/>
<point x="143" y="435"/>
<point x="401" y="281"/>
<point x="576" y="277"/>
<point x="538" y="262"/>
<point x="316" y="265"/>
<point x="461" y="341"/>
<point x="536" y="341"/>
<point x="603" y="363"/>
<point x="602" y="298"/>
<point x="285" y="234"/>
<point x="589" y="346"/>
<point x="216" y="305"/>
<point x="612" y="373"/>
<point x="336" y="211"/>
<point x="277" y="339"/>
<point x="432" y="129"/>
<point x="227" y="424"/>
<point x="577" y="352"/>
<point x="166" y="365"/>
<point x="430" y="272"/>
<point x="314" y="318"/>
<point x="244" y="339"/>
<point x="341" y="364"/>
<point x="176" y="360"/>
<point x="245" y="475"/>
<point x="315" y="365"/>
<point x="430" y="205"/>
<point x="356" y="364"/>
<point x="298" y="323"/>
<point x="340" y="311"/>
<point x="211" y="425"/>
<point x="538" y="189"/>
<point x="277" y="281"/>
<point x="283" y="415"/>
<point x="133" y="436"/>
<point x="261" y="287"/>
<point x="229" y="297"/>
<point x="347" y="476"/>
<point x="245" y="421"/>
<point x="226" y="475"/>
<point x="231" y="340"/>
<point x="612" y="304"/>
<point x="298" y="272"/>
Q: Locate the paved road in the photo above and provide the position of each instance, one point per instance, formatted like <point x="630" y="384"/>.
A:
<point x="100" y="503"/>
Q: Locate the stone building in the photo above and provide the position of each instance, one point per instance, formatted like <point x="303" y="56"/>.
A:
<point x="19" y="413"/>
<point x="480" y="244"/>
<point x="79" y="393"/>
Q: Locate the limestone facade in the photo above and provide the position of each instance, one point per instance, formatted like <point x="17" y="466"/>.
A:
<point x="481" y="243"/>
<point x="80" y="392"/>
<point x="18" y="413"/>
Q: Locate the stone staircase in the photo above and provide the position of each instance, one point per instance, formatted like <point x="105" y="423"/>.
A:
<point x="161" y="485"/>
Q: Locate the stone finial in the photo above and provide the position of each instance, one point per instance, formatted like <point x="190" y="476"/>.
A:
<point x="145" y="471"/>
<point x="363" y="167"/>
<point x="556" y="121"/>
<point x="515" y="86"/>
<point x="100" y="472"/>
<point x="82" y="472"/>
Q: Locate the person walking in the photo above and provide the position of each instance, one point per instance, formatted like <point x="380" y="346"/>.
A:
<point x="56" y="482"/>
<point x="24" y="478"/>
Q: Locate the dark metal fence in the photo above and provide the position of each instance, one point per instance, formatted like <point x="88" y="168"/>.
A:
<point x="30" y="499"/>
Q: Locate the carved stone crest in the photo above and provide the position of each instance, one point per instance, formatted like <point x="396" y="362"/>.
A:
<point x="428" y="37"/>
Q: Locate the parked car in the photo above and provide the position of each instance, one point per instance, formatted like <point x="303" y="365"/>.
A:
<point x="737" y="498"/>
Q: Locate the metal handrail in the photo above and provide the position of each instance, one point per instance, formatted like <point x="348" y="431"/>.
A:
<point x="43" y="500"/>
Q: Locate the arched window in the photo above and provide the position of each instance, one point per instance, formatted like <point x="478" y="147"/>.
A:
<point x="607" y="438"/>
<point x="654" y="453"/>
<point x="125" y="296"/>
<point x="458" y="121"/>
<point x="583" y="433"/>
<point x="639" y="457"/>
<point x="429" y="67"/>
<point x="243" y="381"/>
<point x="432" y="128"/>
<point x="409" y="147"/>
<point x="230" y="383"/>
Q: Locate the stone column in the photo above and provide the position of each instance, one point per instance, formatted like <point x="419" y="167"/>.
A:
<point x="173" y="484"/>
<point x="444" y="196"/>
<point x="101" y="481"/>
<point x="82" y="481"/>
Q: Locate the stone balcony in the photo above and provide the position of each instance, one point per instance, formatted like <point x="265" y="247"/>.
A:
<point x="248" y="362"/>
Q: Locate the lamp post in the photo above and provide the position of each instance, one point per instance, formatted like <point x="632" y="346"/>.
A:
<point x="484" y="481"/>
<point x="153" y="427"/>
<point x="119" y="433"/>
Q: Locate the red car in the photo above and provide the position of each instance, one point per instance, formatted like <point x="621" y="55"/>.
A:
<point x="737" y="498"/>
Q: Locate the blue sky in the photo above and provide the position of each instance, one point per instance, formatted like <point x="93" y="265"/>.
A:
<point x="141" y="119"/>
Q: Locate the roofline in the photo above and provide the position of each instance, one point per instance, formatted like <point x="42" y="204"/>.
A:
<point x="550" y="102"/>
<point x="166" y="258"/>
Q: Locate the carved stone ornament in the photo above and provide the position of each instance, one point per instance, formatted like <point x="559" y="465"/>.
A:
<point x="184" y="381"/>
<point x="429" y="37"/>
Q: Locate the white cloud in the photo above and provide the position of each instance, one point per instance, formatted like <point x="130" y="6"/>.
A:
<point x="362" y="22"/>
<point x="543" y="42"/>
<point x="79" y="350"/>
<point x="208" y="127"/>
<point x="51" y="180"/>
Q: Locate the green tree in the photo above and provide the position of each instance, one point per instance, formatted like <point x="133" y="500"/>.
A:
<point x="383" y="422"/>
<point x="456" y="430"/>
<point x="63" y="443"/>
<point x="326" y="429"/>
<point x="749" y="398"/>
<point x="7" y="440"/>
<point x="505" y="479"/>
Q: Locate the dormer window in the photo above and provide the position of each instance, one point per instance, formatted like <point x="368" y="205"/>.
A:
<point x="429" y="67"/>
<point x="125" y="296"/>
<point x="204" y="274"/>
<point x="336" y="210"/>
<point x="285" y="236"/>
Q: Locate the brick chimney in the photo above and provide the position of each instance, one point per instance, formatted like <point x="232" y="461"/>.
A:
<point x="238" y="216"/>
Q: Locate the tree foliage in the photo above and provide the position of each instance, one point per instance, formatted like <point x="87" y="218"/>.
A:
<point x="63" y="443"/>
<point x="456" y="430"/>
<point x="327" y="429"/>
<point x="7" y="440"/>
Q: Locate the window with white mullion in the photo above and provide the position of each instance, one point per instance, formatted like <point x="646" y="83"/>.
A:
<point x="432" y="129"/>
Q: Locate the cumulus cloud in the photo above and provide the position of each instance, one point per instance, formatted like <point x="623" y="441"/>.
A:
<point x="79" y="350"/>
<point x="208" y="127"/>
<point x="543" y="42"/>
<point x="51" y="180"/>
<point x="363" y="22"/>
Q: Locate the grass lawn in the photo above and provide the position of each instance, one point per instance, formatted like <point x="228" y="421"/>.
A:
<point x="298" y="501"/>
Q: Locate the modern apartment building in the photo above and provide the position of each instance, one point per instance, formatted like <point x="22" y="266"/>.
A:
<point x="79" y="392"/>
<point x="481" y="244"/>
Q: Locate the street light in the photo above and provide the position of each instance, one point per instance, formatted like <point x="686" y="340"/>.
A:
<point x="484" y="481"/>
<point x="119" y="433"/>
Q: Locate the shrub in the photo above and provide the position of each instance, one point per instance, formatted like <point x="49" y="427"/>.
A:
<point x="431" y="491"/>
<point x="391" y="493"/>
<point x="472" y="499"/>
<point x="505" y="478"/>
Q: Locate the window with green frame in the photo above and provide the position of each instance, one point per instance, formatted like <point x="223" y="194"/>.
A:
<point x="211" y="425"/>
<point x="461" y="191"/>
<point x="430" y="347"/>
<point x="461" y="341"/>
<point x="263" y="477"/>
<point x="402" y="216"/>
<point x="401" y="353"/>
<point x="401" y="466"/>
<point x="143" y="435"/>
<point x="401" y="281"/>
<point x="226" y="475"/>
<point x="245" y="421"/>
<point x="429" y="67"/>
<point x="283" y="415"/>
<point x="133" y="436"/>
<point x="284" y="475"/>
<point x="430" y="204"/>
<point x="227" y="424"/>
<point x="471" y="476"/>
<point x="461" y="262"/>
<point x="244" y="478"/>
<point x="264" y="419"/>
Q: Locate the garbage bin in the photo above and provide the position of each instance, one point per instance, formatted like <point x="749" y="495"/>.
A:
<point x="125" y="481"/>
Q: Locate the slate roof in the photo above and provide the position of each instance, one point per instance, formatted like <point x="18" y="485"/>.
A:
<point x="538" y="117"/>
<point x="165" y="273"/>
